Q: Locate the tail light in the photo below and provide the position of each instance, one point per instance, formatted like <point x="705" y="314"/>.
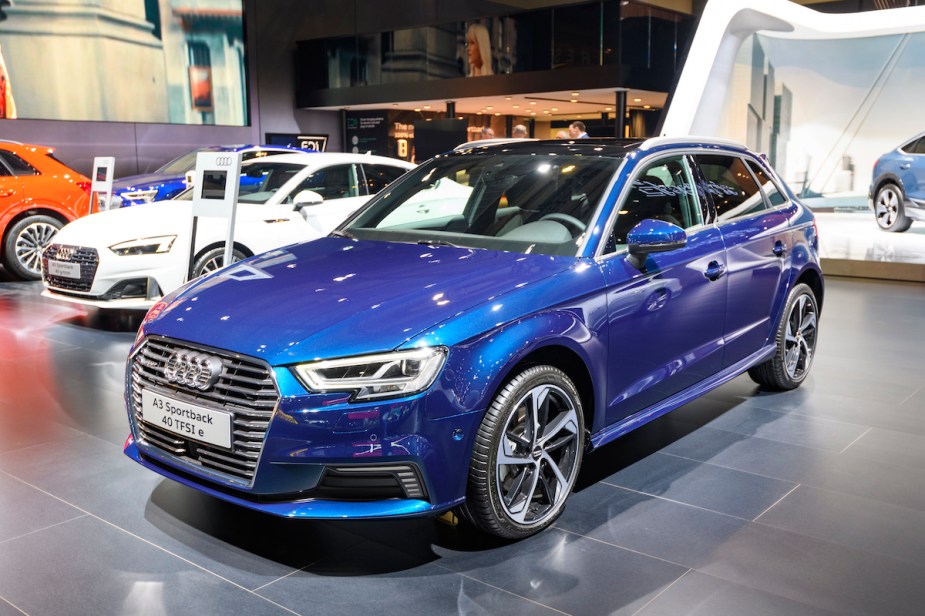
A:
<point x="84" y="186"/>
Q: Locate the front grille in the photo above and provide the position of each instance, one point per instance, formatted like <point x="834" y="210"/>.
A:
<point x="89" y="261"/>
<point x="244" y="388"/>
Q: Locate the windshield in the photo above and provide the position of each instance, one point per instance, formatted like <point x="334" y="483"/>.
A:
<point x="181" y="164"/>
<point x="259" y="181"/>
<point x="530" y="203"/>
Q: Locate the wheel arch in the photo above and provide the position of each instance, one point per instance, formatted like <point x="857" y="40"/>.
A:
<point x="888" y="178"/>
<point x="237" y="246"/>
<point x="34" y="210"/>
<point x="813" y="279"/>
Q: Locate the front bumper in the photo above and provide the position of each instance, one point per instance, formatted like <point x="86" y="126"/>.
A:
<point x="112" y="281"/>
<point x="321" y="456"/>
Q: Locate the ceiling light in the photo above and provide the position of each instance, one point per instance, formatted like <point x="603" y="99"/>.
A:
<point x="516" y="106"/>
<point x="573" y="101"/>
<point x="418" y="109"/>
<point x="647" y="106"/>
<point x="478" y="113"/>
<point x="497" y="114"/>
<point x="532" y="102"/>
<point x="507" y="98"/>
<point x="608" y="108"/>
<point x="426" y="106"/>
<point x="574" y="93"/>
<point x="489" y="107"/>
<point x="555" y="109"/>
<point x="637" y="100"/>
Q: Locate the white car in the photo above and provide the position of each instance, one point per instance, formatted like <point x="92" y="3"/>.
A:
<point x="128" y="258"/>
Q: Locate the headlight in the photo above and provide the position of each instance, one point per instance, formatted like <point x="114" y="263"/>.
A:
<point x="145" y="196"/>
<point x="401" y="373"/>
<point x="144" y="246"/>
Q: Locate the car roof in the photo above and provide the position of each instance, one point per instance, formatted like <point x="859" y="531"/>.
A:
<point x="593" y="146"/>
<point x="324" y="158"/>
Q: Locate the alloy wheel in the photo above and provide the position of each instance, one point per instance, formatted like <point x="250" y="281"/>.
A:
<point x="800" y="338"/>
<point x="538" y="454"/>
<point x="887" y="206"/>
<point x="30" y="243"/>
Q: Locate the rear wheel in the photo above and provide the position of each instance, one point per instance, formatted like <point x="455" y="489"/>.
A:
<point x="526" y="455"/>
<point x="24" y="243"/>
<point x="888" y="208"/>
<point x="796" y="343"/>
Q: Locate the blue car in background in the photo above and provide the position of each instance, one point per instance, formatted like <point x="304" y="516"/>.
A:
<point x="466" y="337"/>
<point x="170" y="180"/>
<point x="897" y="193"/>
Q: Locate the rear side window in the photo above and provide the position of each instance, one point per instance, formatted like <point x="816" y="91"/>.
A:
<point x="731" y="187"/>
<point x="771" y="191"/>
<point x="17" y="165"/>
<point x="380" y="176"/>
<point x="334" y="182"/>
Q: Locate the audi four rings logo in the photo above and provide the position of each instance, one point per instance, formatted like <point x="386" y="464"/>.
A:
<point x="192" y="369"/>
<point x="65" y="253"/>
<point x="223" y="161"/>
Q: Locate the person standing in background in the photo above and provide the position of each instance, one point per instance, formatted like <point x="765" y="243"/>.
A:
<point x="576" y="130"/>
<point x="487" y="133"/>
<point x="519" y="132"/>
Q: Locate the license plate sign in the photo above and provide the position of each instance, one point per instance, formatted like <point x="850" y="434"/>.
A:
<point x="63" y="269"/>
<point x="187" y="420"/>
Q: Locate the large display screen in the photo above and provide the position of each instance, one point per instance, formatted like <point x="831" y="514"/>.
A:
<point x="165" y="61"/>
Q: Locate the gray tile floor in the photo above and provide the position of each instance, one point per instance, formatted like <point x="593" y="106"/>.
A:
<point x="743" y="502"/>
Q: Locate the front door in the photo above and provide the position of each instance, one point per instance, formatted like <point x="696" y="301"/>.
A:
<point x="665" y="323"/>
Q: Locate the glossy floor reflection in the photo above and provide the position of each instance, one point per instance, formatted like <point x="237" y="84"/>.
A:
<point x="855" y="236"/>
<point x="743" y="502"/>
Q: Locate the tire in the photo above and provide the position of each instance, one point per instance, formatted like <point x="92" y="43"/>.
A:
<point x="795" y="343"/>
<point x="888" y="209"/>
<point x="24" y="243"/>
<point x="211" y="260"/>
<point x="520" y="476"/>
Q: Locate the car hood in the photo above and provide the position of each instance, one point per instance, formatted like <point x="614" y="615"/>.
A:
<point x="336" y="297"/>
<point x="138" y="182"/>
<point x="107" y="228"/>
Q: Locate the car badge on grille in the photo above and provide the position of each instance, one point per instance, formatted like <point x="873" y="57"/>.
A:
<point x="193" y="369"/>
<point x="66" y="253"/>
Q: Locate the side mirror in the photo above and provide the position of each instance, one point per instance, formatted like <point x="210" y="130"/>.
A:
<point x="653" y="236"/>
<point x="307" y="197"/>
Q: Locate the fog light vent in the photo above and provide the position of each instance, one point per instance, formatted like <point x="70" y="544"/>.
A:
<point x="372" y="482"/>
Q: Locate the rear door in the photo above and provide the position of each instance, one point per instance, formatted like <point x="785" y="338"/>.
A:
<point x="757" y="239"/>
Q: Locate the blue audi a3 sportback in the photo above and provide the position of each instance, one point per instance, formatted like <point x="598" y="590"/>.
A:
<point x="480" y="325"/>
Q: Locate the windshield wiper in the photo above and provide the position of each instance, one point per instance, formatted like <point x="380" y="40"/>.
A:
<point x="340" y="233"/>
<point x="436" y="243"/>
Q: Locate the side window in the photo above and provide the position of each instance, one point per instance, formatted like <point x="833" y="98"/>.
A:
<point x="663" y="190"/>
<point x="17" y="165"/>
<point x="335" y="182"/>
<point x="771" y="191"/>
<point x="919" y="146"/>
<point x="730" y="185"/>
<point x="380" y="176"/>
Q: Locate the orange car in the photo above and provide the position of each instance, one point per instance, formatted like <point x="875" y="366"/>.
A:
<point x="38" y="196"/>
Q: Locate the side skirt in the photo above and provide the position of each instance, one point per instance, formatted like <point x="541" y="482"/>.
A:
<point x="644" y="416"/>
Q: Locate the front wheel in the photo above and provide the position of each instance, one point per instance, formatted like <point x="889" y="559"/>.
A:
<point x="795" y="343"/>
<point x="24" y="243"/>
<point x="888" y="208"/>
<point x="526" y="455"/>
<point x="212" y="260"/>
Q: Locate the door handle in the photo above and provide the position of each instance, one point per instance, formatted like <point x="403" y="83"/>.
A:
<point x="905" y="166"/>
<point x="715" y="270"/>
<point x="779" y="248"/>
<point x="7" y="193"/>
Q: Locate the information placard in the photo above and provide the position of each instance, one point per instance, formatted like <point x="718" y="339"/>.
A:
<point x="101" y="180"/>
<point x="215" y="194"/>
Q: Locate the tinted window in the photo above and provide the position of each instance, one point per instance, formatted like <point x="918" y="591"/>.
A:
<point x="661" y="191"/>
<point x="771" y="191"/>
<point x="920" y="146"/>
<point x="730" y="185"/>
<point x="336" y="182"/>
<point x="380" y="176"/>
<point x="17" y="165"/>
